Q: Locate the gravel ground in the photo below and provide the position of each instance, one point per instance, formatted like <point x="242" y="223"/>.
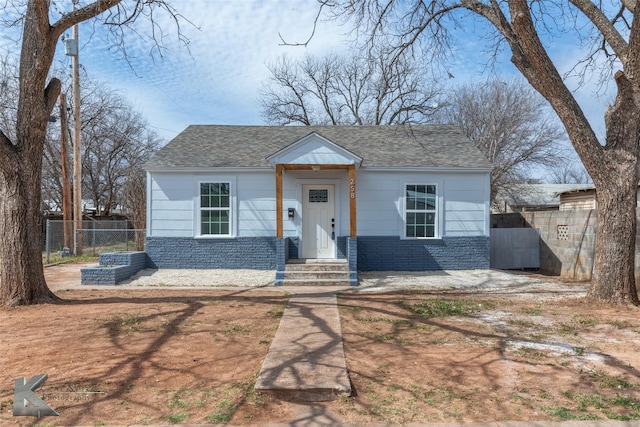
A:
<point x="516" y="283"/>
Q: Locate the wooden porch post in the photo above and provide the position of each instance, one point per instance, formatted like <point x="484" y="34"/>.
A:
<point x="279" y="227"/>
<point x="352" y="201"/>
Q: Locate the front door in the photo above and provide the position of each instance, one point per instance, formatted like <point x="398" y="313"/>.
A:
<point x="318" y="222"/>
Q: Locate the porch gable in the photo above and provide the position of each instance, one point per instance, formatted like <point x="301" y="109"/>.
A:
<point x="314" y="149"/>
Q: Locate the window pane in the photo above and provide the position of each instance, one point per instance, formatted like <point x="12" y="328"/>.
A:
<point x="430" y="231"/>
<point x="318" y="196"/>
<point x="204" y="188"/>
<point x="430" y="219"/>
<point x="420" y="216"/>
<point x="421" y="197"/>
<point x="411" y="231"/>
<point x="430" y="202"/>
<point x="214" y="195"/>
<point x="411" y="197"/>
<point x="215" y="222"/>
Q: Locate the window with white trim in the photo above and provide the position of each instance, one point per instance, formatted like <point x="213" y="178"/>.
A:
<point x="420" y="211"/>
<point x="215" y="208"/>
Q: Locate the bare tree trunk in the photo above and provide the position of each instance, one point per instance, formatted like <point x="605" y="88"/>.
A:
<point x="21" y="168"/>
<point x="21" y="156"/>
<point x="614" y="269"/>
<point x="140" y="239"/>
<point x="22" y="273"/>
<point x="613" y="167"/>
<point x="615" y="174"/>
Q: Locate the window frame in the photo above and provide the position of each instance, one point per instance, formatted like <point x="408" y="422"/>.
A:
<point x="434" y="211"/>
<point x="231" y="208"/>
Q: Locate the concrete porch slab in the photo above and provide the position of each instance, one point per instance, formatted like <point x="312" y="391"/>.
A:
<point x="306" y="359"/>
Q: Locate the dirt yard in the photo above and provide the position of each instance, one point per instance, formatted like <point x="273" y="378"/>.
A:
<point x="162" y="356"/>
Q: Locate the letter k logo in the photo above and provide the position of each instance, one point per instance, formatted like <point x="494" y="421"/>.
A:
<point x="25" y="401"/>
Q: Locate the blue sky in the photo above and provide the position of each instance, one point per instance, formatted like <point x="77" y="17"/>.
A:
<point x="215" y="80"/>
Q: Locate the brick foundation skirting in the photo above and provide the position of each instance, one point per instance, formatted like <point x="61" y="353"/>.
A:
<point x="373" y="253"/>
<point x="257" y="253"/>
<point x="387" y="253"/>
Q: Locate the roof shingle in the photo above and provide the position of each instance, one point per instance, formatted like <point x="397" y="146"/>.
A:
<point x="221" y="146"/>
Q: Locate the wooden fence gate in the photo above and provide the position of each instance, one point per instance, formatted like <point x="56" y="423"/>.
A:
<point x="515" y="248"/>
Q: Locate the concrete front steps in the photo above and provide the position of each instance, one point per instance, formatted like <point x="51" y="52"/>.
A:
<point x="316" y="272"/>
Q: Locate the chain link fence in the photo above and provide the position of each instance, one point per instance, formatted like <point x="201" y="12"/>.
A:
<point x="95" y="237"/>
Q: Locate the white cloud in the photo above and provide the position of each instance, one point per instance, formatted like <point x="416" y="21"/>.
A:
<point x="215" y="80"/>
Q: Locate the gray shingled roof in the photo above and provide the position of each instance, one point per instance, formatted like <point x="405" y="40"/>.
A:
<point x="213" y="146"/>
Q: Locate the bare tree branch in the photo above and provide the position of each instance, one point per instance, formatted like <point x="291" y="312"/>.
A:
<point x="323" y="3"/>
<point x="80" y="15"/>
<point x="609" y="33"/>
<point x="357" y="90"/>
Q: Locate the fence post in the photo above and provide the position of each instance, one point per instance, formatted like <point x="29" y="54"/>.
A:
<point x="126" y="233"/>
<point x="47" y="237"/>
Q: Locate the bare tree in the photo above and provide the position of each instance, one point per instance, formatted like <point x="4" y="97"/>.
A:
<point x="115" y="140"/>
<point x="608" y="33"/>
<point x="134" y="202"/>
<point x="511" y="124"/>
<point x="569" y="172"/>
<point x="354" y="90"/>
<point x="21" y="148"/>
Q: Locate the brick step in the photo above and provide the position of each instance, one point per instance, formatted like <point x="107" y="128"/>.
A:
<point x="316" y="282"/>
<point x="311" y="275"/>
<point x="317" y="266"/>
<point x="316" y="272"/>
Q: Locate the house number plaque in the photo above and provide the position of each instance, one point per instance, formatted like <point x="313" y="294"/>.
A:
<point x="352" y="188"/>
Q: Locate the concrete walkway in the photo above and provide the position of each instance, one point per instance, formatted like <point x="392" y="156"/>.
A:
<point x="306" y="359"/>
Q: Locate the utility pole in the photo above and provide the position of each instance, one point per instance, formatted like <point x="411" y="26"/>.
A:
<point x="77" y="159"/>
<point x="66" y="184"/>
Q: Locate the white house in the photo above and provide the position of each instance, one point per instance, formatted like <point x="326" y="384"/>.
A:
<point x="382" y="197"/>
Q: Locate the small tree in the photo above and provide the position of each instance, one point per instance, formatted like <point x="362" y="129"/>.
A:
<point x="134" y="202"/>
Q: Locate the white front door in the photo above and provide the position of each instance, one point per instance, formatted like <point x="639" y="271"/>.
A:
<point x="318" y="222"/>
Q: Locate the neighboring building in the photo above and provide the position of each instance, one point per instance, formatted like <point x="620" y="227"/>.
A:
<point x="533" y="197"/>
<point x="382" y="197"/>
<point x="582" y="198"/>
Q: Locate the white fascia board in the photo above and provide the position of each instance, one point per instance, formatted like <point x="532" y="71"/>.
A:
<point x="209" y="170"/>
<point x="426" y="169"/>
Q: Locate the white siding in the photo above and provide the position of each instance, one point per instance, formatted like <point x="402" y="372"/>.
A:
<point x="462" y="198"/>
<point x="463" y="201"/>
<point x="256" y="204"/>
<point x="466" y="204"/>
<point x="171" y="205"/>
<point x="174" y="203"/>
<point x="378" y="196"/>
